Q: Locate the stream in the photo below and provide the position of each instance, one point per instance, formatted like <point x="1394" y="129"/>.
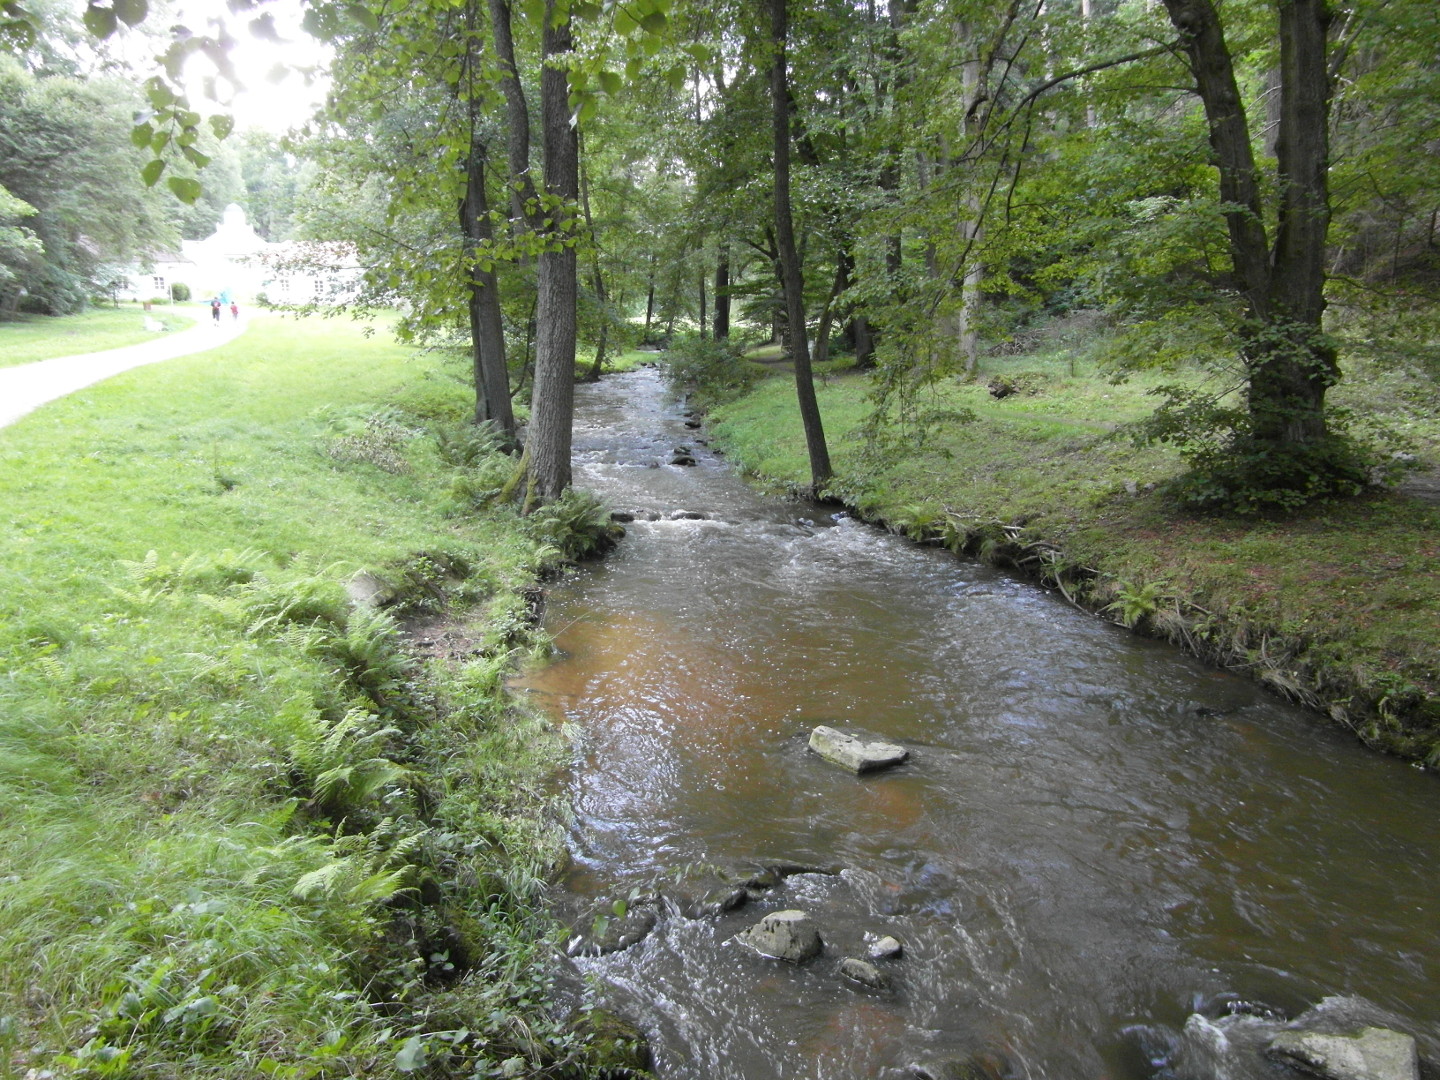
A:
<point x="1095" y="835"/>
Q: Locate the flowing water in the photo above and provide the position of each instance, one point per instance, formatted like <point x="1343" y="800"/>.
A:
<point x="1095" y="835"/>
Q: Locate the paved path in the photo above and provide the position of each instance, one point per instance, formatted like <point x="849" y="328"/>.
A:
<point x="28" y="386"/>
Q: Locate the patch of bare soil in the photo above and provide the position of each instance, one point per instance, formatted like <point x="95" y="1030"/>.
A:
<point x="440" y="637"/>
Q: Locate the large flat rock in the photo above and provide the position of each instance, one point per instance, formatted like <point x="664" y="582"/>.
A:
<point x="853" y="753"/>
<point x="1369" y="1054"/>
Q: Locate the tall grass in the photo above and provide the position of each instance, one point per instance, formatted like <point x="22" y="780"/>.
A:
<point x="247" y="831"/>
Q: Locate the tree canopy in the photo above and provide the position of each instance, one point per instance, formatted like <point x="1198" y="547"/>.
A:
<point x="1207" y="178"/>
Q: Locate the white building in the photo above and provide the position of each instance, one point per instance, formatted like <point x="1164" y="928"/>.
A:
<point x="235" y="263"/>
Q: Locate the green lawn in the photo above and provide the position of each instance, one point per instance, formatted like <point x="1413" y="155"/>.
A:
<point x="247" y="834"/>
<point x="40" y="337"/>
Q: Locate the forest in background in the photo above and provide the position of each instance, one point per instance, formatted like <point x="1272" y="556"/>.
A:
<point x="1243" y="193"/>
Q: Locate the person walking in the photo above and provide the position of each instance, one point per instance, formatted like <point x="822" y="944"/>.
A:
<point x="234" y="311"/>
<point x="215" y="311"/>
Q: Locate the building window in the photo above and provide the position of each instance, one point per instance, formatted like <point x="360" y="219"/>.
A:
<point x="158" y="283"/>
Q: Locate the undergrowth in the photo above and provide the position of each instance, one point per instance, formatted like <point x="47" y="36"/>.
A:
<point x="248" y="830"/>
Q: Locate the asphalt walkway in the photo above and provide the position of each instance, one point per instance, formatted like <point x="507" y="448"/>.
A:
<point x="28" y="386"/>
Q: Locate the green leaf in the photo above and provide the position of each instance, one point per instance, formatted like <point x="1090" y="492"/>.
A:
<point x="151" y="172"/>
<point x="100" y="21"/>
<point x="412" y="1055"/>
<point x="654" y="23"/>
<point x="195" y="157"/>
<point x="158" y="92"/>
<point x="363" y="15"/>
<point x="132" y="12"/>
<point x="141" y="134"/>
<point x="533" y="10"/>
<point x="184" y="189"/>
<point x="624" y="24"/>
<point x="611" y="82"/>
<point x="676" y="76"/>
<point x="222" y="125"/>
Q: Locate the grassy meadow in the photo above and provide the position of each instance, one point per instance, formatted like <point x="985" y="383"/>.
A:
<point x="1336" y="608"/>
<point x="41" y="337"/>
<point x="251" y="827"/>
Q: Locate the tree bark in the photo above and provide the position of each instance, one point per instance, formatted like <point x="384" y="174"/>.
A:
<point x="552" y="401"/>
<point x="722" y="294"/>
<point x="597" y="278"/>
<point x="1290" y="361"/>
<point x="487" y="330"/>
<point x="650" y="298"/>
<point x="517" y="117"/>
<point x="702" y="304"/>
<point x="820" y="470"/>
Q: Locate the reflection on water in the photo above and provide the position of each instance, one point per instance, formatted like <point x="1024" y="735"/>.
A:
<point x="1093" y="831"/>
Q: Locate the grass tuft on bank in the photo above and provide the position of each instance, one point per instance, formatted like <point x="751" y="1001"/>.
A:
<point x="1336" y="608"/>
<point x="255" y="823"/>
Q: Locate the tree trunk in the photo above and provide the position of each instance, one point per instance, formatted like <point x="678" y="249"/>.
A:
<point x="552" y="401"/>
<point x="827" y="316"/>
<point x="722" y="294"/>
<point x="597" y="279"/>
<point x="820" y="470"/>
<point x="702" y="304"/>
<point x="650" y="298"/>
<point x="517" y="118"/>
<point x="487" y="331"/>
<point x="1290" y="361"/>
<point x="864" y="343"/>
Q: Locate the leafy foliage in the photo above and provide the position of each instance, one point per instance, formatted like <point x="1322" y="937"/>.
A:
<point x="716" y="371"/>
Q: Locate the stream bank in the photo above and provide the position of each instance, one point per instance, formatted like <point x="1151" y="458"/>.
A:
<point x="1334" y="609"/>
<point x="1092" y="837"/>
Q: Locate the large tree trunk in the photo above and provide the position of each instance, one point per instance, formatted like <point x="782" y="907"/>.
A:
<point x="820" y="470"/>
<point x="552" y="402"/>
<point x="722" y="294"/>
<point x="487" y="331"/>
<point x="1290" y="362"/>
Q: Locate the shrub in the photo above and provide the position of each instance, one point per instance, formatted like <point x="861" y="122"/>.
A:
<point x="715" y="370"/>
<point x="179" y="292"/>
<point x="1230" y="470"/>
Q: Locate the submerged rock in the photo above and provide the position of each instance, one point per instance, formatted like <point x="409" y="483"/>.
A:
<point x="1369" y="1054"/>
<point x="785" y="935"/>
<point x="853" y="753"/>
<point x="977" y="1067"/>
<point x="863" y="972"/>
<point x="611" y="927"/>
<point x="1340" y="1038"/>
